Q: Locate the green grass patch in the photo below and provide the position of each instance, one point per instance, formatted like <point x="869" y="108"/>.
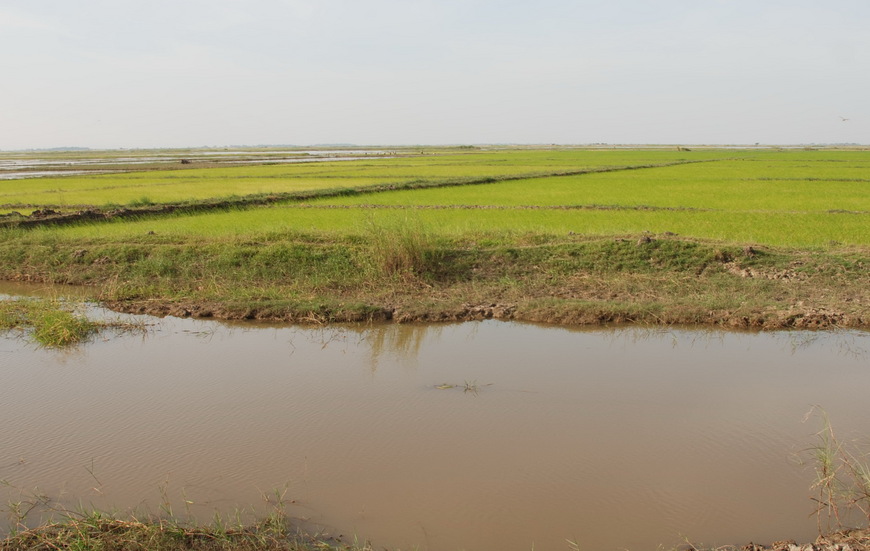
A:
<point x="794" y="229"/>
<point x="406" y="270"/>
<point x="96" y="531"/>
<point x="51" y="323"/>
<point x="172" y="186"/>
<point x="732" y="186"/>
<point x="790" y="198"/>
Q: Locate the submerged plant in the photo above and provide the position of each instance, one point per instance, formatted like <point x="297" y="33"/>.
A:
<point x="842" y="478"/>
<point x="471" y="386"/>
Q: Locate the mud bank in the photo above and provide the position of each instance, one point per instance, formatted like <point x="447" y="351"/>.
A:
<point x="806" y="318"/>
<point x="846" y="540"/>
<point x="565" y="280"/>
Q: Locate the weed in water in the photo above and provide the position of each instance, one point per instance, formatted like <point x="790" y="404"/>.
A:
<point x="90" y="529"/>
<point x="57" y="328"/>
<point x="467" y="387"/>
<point x="51" y="322"/>
<point x="842" y="478"/>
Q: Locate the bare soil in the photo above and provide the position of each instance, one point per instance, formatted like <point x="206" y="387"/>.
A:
<point x="846" y="540"/>
<point x="792" y="318"/>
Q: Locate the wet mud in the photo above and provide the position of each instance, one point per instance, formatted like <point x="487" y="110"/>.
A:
<point x="793" y="318"/>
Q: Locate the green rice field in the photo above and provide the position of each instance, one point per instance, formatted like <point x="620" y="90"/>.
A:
<point x="168" y="186"/>
<point x="785" y="198"/>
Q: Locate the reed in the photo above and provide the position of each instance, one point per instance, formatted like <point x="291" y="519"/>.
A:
<point x="401" y="248"/>
<point x="842" y="485"/>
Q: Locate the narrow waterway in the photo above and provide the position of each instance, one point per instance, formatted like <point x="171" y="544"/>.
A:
<point x="485" y="435"/>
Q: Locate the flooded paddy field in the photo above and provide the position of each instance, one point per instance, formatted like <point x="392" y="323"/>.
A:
<point x="483" y="435"/>
<point x="40" y="164"/>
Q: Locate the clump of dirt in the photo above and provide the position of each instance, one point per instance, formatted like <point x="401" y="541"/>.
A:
<point x="467" y="312"/>
<point x="846" y="540"/>
<point x="43" y="213"/>
<point x="756" y="273"/>
<point x="797" y="317"/>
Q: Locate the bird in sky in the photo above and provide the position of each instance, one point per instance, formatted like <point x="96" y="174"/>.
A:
<point x="844" y="119"/>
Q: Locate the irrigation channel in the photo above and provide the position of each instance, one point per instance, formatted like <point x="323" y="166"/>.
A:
<point x="485" y="435"/>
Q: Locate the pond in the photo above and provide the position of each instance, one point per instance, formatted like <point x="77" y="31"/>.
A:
<point x="485" y="435"/>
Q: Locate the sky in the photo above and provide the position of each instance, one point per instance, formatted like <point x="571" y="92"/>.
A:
<point x="188" y="73"/>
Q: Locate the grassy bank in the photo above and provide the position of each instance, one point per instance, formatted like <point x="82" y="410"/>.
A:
<point x="407" y="272"/>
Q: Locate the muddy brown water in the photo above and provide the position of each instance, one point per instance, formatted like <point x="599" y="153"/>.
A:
<point x="613" y="439"/>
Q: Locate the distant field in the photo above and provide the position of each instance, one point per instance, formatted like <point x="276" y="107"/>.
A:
<point x="790" y="198"/>
<point x="722" y="185"/>
<point x="170" y="186"/>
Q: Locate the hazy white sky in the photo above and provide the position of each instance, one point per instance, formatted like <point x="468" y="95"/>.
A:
<point x="124" y="73"/>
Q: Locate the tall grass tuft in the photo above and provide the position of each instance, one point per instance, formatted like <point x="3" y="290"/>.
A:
<point x="402" y="248"/>
<point x="61" y="328"/>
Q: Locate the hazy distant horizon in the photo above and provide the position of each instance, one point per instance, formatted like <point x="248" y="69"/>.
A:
<point x="448" y="145"/>
<point x="122" y="75"/>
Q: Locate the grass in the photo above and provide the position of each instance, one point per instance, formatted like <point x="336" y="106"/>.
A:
<point x="98" y="531"/>
<point x="842" y="478"/>
<point x="793" y="199"/>
<point x="790" y="229"/>
<point x="403" y="248"/>
<point x="171" y="186"/>
<point x="729" y="185"/>
<point x="51" y="323"/>
<point x="86" y="529"/>
<point x="407" y="273"/>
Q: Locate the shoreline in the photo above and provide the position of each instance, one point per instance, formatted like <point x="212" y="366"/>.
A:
<point x="278" y="532"/>
<point x="575" y="281"/>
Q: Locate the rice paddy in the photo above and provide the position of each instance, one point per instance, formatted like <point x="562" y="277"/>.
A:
<point x="791" y="198"/>
<point x="167" y="186"/>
